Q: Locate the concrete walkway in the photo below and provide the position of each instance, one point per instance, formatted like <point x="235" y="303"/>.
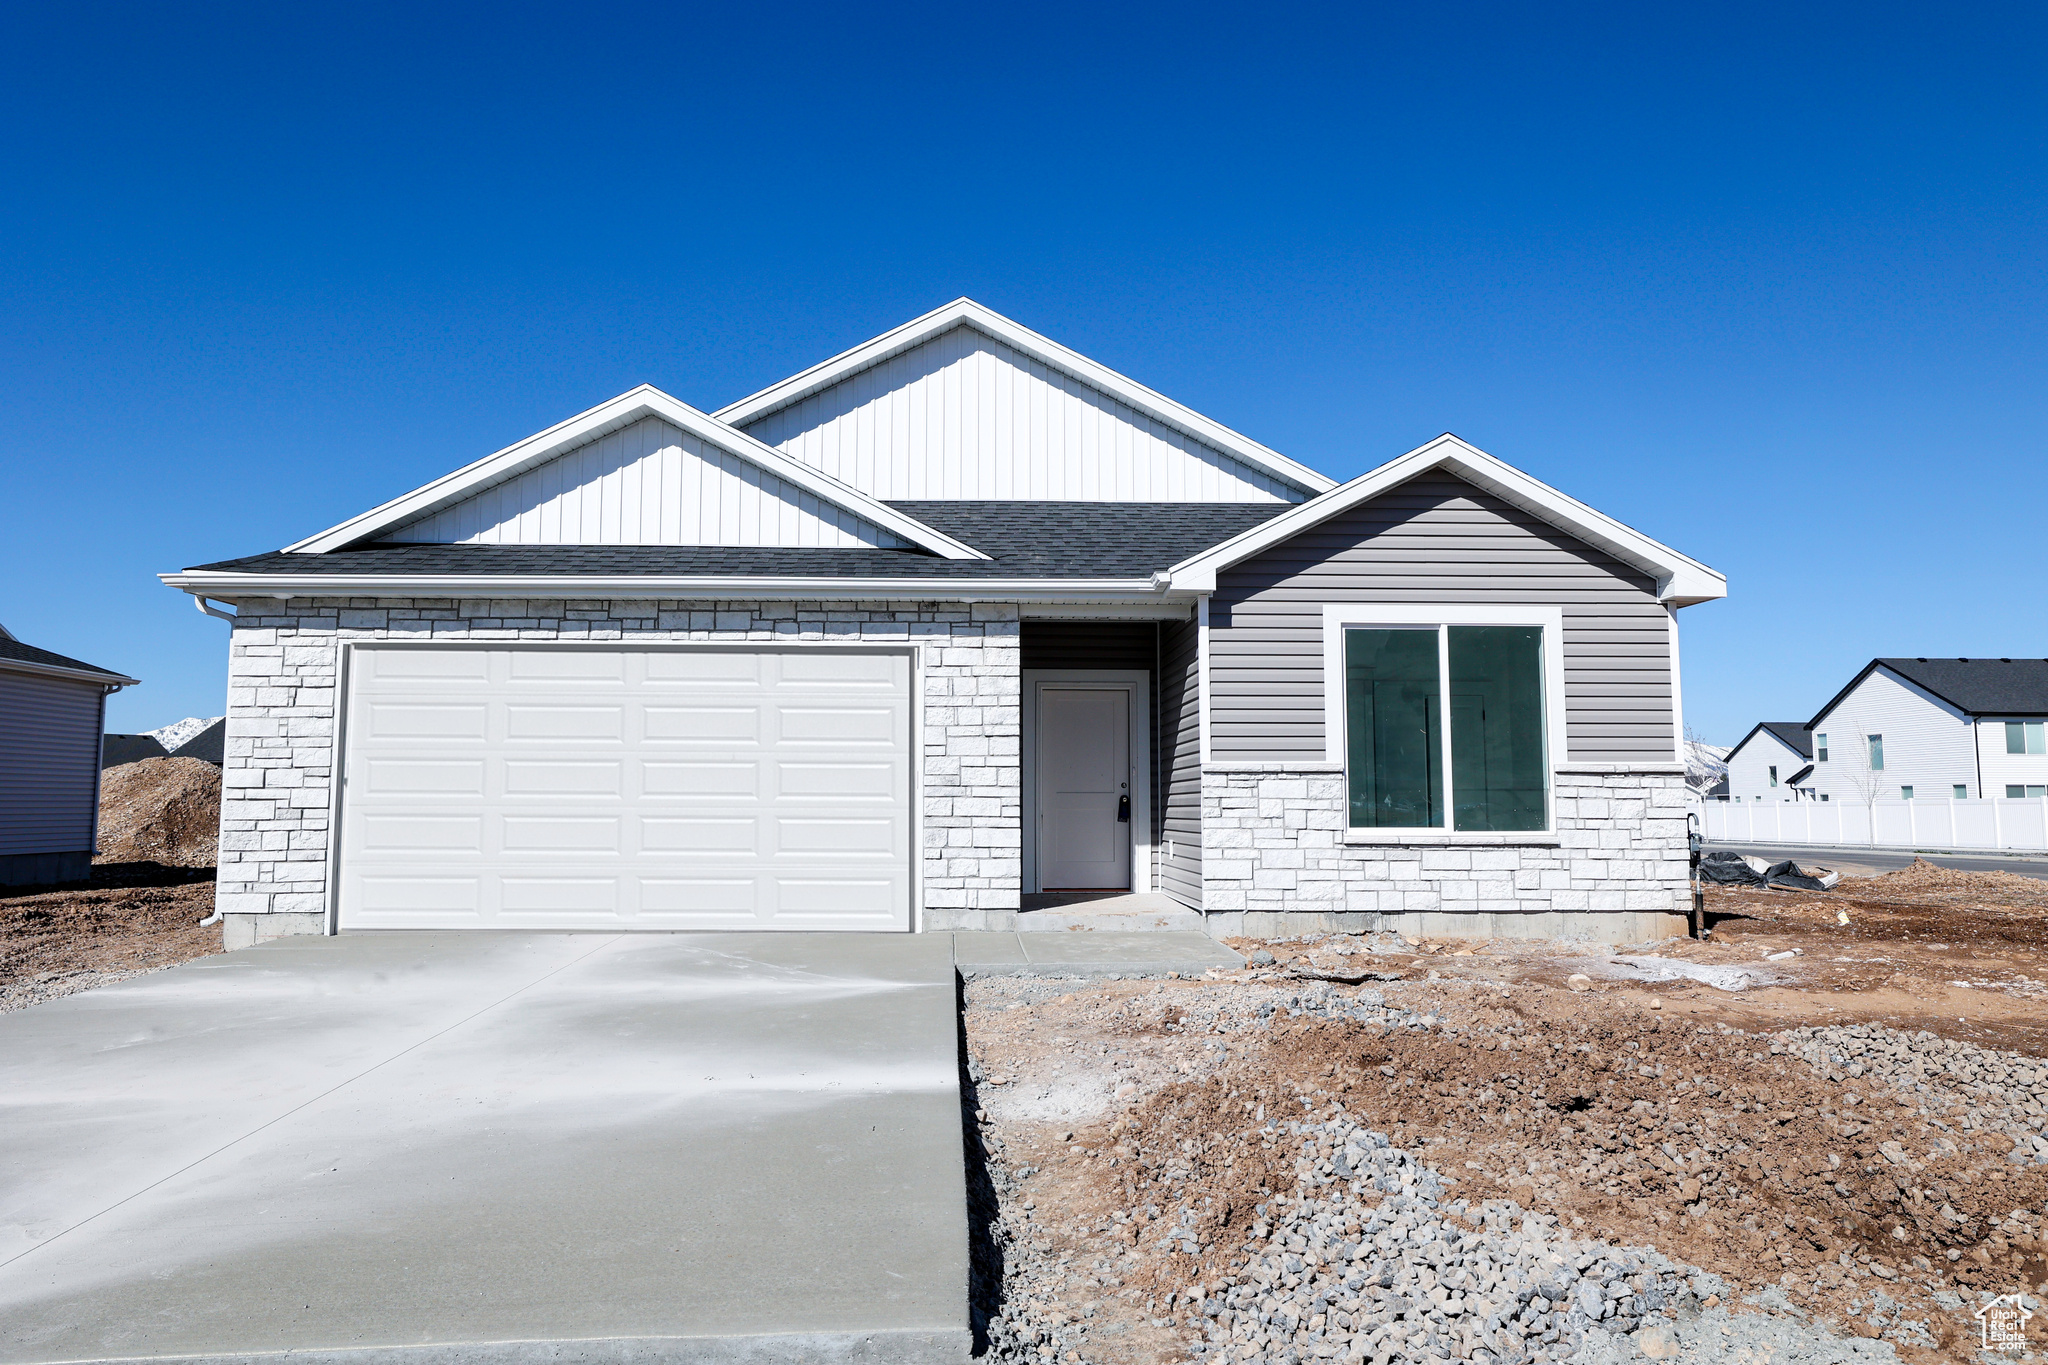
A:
<point x="431" y="1148"/>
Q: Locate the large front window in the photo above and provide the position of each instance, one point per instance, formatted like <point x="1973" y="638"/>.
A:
<point x="1490" y="772"/>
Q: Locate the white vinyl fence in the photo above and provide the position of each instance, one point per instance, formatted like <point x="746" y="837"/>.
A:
<point x="1894" y="824"/>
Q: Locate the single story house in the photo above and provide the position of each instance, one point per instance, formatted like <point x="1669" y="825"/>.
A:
<point x="52" y="710"/>
<point x="953" y="618"/>
<point x="1771" y="763"/>
<point x="1935" y="730"/>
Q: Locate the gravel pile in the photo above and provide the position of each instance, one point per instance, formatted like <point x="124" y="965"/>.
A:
<point x="1368" y="1261"/>
<point x="1978" y="1087"/>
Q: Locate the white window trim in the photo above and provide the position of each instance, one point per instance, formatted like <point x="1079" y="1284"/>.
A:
<point x="1337" y="618"/>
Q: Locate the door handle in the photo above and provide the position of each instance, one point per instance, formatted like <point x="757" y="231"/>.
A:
<point x="1123" y="809"/>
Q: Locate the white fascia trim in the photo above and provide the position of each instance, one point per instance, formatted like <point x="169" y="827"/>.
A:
<point x="1070" y="362"/>
<point x="1136" y="592"/>
<point x="111" y="681"/>
<point x="585" y="427"/>
<point x="1338" y="616"/>
<point x="1681" y="580"/>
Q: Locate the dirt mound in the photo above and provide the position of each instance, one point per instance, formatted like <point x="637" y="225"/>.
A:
<point x="161" y="810"/>
<point x="1923" y="878"/>
<point x="55" y="942"/>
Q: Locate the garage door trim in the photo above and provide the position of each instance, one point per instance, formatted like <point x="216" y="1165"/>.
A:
<point x="344" y="692"/>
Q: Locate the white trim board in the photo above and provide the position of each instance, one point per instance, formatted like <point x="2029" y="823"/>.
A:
<point x="1139" y="684"/>
<point x="1681" y="580"/>
<point x="966" y="312"/>
<point x="1337" y="617"/>
<point x="1142" y="595"/>
<point x="607" y="417"/>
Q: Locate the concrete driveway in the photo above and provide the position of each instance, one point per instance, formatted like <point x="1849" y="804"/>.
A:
<point x="515" y="1147"/>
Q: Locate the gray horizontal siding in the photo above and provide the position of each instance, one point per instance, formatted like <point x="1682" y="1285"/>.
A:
<point x="49" y="764"/>
<point x="1179" y="750"/>
<point x="1435" y="539"/>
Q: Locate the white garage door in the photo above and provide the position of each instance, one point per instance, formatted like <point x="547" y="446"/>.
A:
<point x="569" y="788"/>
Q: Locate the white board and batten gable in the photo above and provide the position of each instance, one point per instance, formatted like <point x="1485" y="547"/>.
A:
<point x="642" y="469"/>
<point x="650" y="483"/>
<point x="965" y="404"/>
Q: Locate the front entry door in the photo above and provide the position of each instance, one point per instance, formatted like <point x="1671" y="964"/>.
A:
<point x="1084" y="785"/>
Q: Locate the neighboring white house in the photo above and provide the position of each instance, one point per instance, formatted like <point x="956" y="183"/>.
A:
<point x="1772" y="763"/>
<point x="1934" y="730"/>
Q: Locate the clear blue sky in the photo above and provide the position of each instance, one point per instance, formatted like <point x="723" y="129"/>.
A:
<point x="1766" y="282"/>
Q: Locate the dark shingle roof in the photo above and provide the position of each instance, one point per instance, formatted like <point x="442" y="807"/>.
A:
<point x="29" y="654"/>
<point x="1022" y="540"/>
<point x="1980" y="687"/>
<point x="1793" y="732"/>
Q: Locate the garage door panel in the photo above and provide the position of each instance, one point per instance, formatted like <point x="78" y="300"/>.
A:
<point x="861" y="782"/>
<point x="559" y="778"/>
<point x="710" y="667"/>
<point x="458" y="896"/>
<point x="419" y="832"/>
<point x="701" y="836"/>
<point x="528" y="721"/>
<point x="843" y="673"/>
<point x="839" y="726"/>
<point x="593" y="897"/>
<point x="425" y="665"/>
<point x="654" y="789"/>
<point x="552" y="665"/>
<point x="839" y="838"/>
<point x="723" y="726"/>
<point x="707" y="781"/>
<point x="424" y="777"/>
<point x="441" y="722"/>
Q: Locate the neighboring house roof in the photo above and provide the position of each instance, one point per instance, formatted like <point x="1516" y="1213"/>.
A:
<point x="1719" y="791"/>
<point x="1976" y="687"/>
<point x="966" y="312"/>
<point x="585" y="427"/>
<point x="1680" y="579"/>
<point x="1793" y="734"/>
<point x="1800" y="776"/>
<point x="1020" y="541"/>
<point x="16" y="657"/>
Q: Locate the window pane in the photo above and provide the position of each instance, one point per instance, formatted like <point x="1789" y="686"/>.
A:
<point x="1961" y="792"/>
<point x="1498" y="777"/>
<point x="2015" y="737"/>
<point x="1820" y="748"/>
<point x="1905" y="793"/>
<point x="1394" y="736"/>
<point x="1876" y="753"/>
<point x="2037" y="737"/>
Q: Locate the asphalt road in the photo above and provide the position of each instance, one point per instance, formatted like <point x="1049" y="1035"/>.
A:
<point x="1856" y="860"/>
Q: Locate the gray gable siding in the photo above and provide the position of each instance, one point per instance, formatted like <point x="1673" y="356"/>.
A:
<point x="1435" y="538"/>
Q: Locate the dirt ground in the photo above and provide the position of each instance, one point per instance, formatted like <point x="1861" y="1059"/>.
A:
<point x="1666" y="1113"/>
<point x="150" y="887"/>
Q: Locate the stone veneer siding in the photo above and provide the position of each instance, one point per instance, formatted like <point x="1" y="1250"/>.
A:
<point x="1275" y="861"/>
<point x="277" y="778"/>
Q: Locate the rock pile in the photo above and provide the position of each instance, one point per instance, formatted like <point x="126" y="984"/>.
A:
<point x="1368" y="1262"/>
<point x="1978" y="1087"/>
